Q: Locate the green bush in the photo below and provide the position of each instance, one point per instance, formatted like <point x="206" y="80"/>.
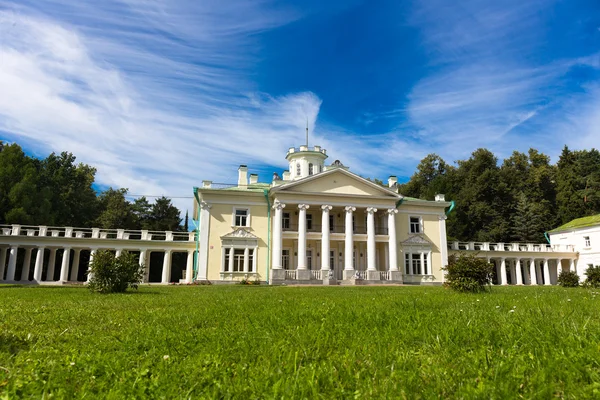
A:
<point x="112" y="274"/>
<point x="468" y="273"/>
<point x="593" y="277"/>
<point x="568" y="279"/>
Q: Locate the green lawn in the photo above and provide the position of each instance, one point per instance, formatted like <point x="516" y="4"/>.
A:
<point x="299" y="342"/>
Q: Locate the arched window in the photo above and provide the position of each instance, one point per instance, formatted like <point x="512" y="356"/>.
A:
<point x="298" y="170"/>
<point x="310" y="169"/>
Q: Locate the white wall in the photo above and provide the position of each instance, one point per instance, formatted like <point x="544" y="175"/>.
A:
<point x="575" y="237"/>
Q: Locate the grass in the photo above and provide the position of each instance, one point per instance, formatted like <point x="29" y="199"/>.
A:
<point x="299" y="342"/>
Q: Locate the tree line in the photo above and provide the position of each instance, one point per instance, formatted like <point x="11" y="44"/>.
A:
<point x="517" y="200"/>
<point x="58" y="191"/>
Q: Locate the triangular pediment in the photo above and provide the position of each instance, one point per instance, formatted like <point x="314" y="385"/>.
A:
<point x="239" y="233"/>
<point x="337" y="181"/>
<point x="416" y="240"/>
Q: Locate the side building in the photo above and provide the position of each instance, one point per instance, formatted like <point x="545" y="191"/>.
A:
<point x="318" y="223"/>
<point x="584" y="235"/>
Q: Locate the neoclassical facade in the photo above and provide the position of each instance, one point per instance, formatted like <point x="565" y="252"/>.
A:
<point x="318" y="223"/>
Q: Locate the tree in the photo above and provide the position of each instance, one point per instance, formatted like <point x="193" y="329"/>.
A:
<point x="527" y="221"/>
<point x="164" y="216"/>
<point x="68" y="187"/>
<point x="431" y="178"/>
<point x="116" y="212"/>
<point x="142" y="210"/>
<point x="185" y="223"/>
<point x="110" y="274"/>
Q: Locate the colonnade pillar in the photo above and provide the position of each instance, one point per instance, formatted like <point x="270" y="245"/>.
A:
<point x="12" y="264"/>
<point x="518" y="272"/>
<point x="277" y="242"/>
<point x="166" y="270"/>
<point x="64" y="268"/>
<point x="90" y="275"/>
<point x="26" y="264"/>
<point x="546" y="272"/>
<point x="349" y="244"/>
<point x="39" y="264"/>
<point x="371" y="257"/>
<point x="75" y="265"/>
<point x="325" y="238"/>
<point x="532" y="272"/>
<point x="503" y="279"/>
<point x="189" y="269"/>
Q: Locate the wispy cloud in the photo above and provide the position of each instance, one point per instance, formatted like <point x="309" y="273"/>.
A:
<point x="155" y="98"/>
<point x="487" y="87"/>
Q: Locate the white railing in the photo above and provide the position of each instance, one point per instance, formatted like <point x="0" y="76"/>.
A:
<point x="290" y="274"/>
<point x="384" y="275"/>
<point x="95" y="233"/>
<point x="360" y="275"/>
<point x="316" y="274"/>
<point x="530" y="247"/>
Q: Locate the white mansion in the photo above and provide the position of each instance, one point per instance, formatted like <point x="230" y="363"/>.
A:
<point x="317" y="223"/>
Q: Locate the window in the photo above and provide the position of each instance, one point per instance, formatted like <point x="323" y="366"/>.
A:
<point x="285" y="220"/>
<point x="309" y="258"/>
<point x="331" y="221"/>
<point x="331" y="259"/>
<point x="415" y="225"/>
<point x="251" y="261"/>
<point x="320" y="168"/>
<point x="310" y="168"/>
<point x="309" y="224"/>
<point x="285" y="259"/>
<point x="241" y="217"/>
<point x="238" y="260"/>
<point x="415" y="265"/>
<point x="298" y="169"/>
<point x="587" y="241"/>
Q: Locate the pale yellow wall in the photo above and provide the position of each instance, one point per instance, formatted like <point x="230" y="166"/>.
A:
<point x="221" y="224"/>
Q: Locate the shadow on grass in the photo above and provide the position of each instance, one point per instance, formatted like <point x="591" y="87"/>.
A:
<point x="10" y="344"/>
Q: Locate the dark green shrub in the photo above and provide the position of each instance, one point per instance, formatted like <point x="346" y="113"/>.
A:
<point x="593" y="277"/>
<point x="468" y="273"/>
<point x="112" y="274"/>
<point x="568" y="279"/>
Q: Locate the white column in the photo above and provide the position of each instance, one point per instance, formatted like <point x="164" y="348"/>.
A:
<point x="546" y="272"/>
<point x="349" y="245"/>
<point x="254" y="255"/>
<point x="443" y="246"/>
<point x="64" y="267"/>
<point x="371" y="264"/>
<point x="26" y="264"/>
<point x="75" y="265"/>
<point x="503" y="280"/>
<point x="118" y="253"/>
<point x="325" y="238"/>
<point x="302" y="235"/>
<point x="230" y="266"/>
<point x="89" y="270"/>
<point x="519" y="272"/>
<point x="166" y="270"/>
<point x="392" y="244"/>
<point x="571" y="266"/>
<point x="189" y="268"/>
<point x="277" y="235"/>
<point x="203" y="241"/>
<point x="51" y="264"/>
<point x="3" y="252"/>
<point x="12" y="264"/>
<point x="143" y="260"/>
<point x="558" y="268"/>
<point x="39" y="264"/>
<point x="246" y="259"/>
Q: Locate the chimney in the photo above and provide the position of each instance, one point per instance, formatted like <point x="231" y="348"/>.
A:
<point x="392" y="180"/>
<point x="440" y="197"/>
<point x="253" y="179"/>
<point x="286" y="175"/>
<point x="243" y="175"/>
<point x="206" y="184"/>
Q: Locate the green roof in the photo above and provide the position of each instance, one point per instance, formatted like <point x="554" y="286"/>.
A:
<point x="579" y="223"/>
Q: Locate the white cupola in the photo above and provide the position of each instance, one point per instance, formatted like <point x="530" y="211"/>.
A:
<point x="305" y="161"/>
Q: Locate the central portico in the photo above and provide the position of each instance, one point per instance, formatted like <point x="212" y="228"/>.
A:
<point x="334" y="225"/>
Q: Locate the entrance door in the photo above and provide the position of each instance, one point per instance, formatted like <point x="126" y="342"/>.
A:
<point x="309" y="258"/>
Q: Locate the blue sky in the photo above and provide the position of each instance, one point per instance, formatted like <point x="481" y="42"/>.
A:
<point x="161" y="94"/>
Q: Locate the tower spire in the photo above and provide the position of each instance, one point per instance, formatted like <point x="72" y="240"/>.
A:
<point x="306" y="131"/>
